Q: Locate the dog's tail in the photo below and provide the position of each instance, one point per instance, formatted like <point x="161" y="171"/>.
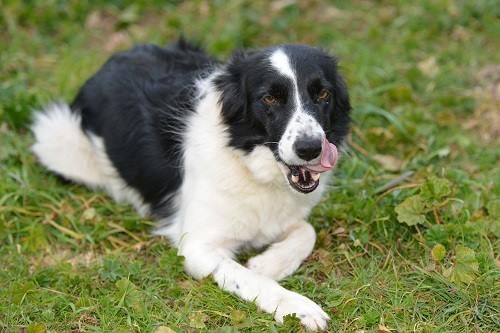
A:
<point x="63" y="147"/>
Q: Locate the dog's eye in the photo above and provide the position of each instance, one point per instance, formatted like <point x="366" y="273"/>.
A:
<point x="270" y="100"/>
<point x="323" y="96"/>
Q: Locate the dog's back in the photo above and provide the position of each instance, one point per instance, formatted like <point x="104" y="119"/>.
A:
<point x="137" y="103"/>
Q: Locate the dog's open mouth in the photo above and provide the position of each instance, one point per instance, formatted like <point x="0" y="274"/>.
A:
<point x="302" y="179"/>
<point x="305" y="178"/>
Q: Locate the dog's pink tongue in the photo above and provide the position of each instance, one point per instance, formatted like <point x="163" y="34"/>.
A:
<point x="328" y="158"/>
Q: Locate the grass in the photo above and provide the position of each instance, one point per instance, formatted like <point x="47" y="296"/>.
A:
<point x="408" y="235"/>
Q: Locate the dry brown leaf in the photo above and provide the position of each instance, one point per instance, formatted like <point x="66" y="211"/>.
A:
<point x="116" y="40"/>
<point x="325" y="259"/>
<point x="381" y="132"/>
<point x="83" y="259"/>
<point x="388" y="162"/>
<point x="163" y="329"/>
<point x="197" y="319"/>
<point x="340" y="232"/>
<point x="89" y="214"/>
<point x="104" y="21"/>
<point x="332" y="12"/>
<point x="485" y="121"/>
<point x="383" y="329"/>
<point x="461" y="34"/>
<point x="88" y="319"/>
<point x="429" y="66"/>
<point x="387" y="14"/>
<point x="278" y="5"/>
<point x="324" y="238"/>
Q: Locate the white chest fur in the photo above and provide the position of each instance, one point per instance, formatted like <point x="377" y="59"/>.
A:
<point x="228" y="196"/>
<point x="229" y="200"/>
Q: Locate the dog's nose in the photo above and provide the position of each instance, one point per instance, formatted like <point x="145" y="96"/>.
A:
<point x="307" y="148"/>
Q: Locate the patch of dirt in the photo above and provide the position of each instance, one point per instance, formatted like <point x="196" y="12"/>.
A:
<point x="85" y="320"/>
<point x="57" y="256"/>
<point x="485" y="121"/>
<point x="112" y="31"/>
<point x="102" y="25"/>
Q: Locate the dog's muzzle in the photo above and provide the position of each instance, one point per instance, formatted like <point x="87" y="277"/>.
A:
<point x="305" y="178"/>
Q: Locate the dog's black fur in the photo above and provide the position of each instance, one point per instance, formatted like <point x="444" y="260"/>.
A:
<point x="138" y="102"/>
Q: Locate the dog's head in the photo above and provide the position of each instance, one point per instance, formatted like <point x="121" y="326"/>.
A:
<point x="292" y="100"/>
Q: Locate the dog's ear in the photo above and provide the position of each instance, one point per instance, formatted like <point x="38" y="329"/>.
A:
<point x="233" y="88"/>
<point x="245" y="131"/>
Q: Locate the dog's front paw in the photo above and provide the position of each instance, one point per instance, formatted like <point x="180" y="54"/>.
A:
<point x="309" y="313"/>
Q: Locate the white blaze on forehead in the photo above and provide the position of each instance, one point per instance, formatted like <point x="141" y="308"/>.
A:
<point x="301" y="123"/>
<point x="281" y="62"/>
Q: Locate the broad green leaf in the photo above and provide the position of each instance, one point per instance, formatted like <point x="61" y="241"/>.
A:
<point x="123" y="285"/>
<point x="37" y="328"/>
<point x="129" y="295"/>
<point x="435" y="189"/>
<point x="36" y="239"/>
<point x="493" y="208"/>
<point x="438" y="252"/>
<point x="19" y="290"/>
<point x="493" y="226"/>
<point x="411" y="211"/>
<point x="237" y="317"/>
<point x="465" y="268"/>
<point x="401" y="93"/>
<point x="370" y="317"/>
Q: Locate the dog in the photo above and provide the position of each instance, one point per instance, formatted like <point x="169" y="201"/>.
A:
<point x="224" y="155"/>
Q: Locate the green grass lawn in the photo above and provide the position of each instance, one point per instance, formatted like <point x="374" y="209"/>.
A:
<point x="408" y="235"/>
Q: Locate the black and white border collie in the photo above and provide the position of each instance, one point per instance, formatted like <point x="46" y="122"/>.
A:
<point x="225" y="156"/>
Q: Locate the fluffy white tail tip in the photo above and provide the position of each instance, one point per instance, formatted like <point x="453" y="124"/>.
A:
<point x="63" y="147"/>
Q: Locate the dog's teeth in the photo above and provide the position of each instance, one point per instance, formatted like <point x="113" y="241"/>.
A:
<point x="295" y="178"/>
<point x="315" y="176"/>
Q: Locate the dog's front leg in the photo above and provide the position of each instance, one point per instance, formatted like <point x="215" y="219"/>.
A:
<point x="283" y="258"/>
<point x="202" y="259"/>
